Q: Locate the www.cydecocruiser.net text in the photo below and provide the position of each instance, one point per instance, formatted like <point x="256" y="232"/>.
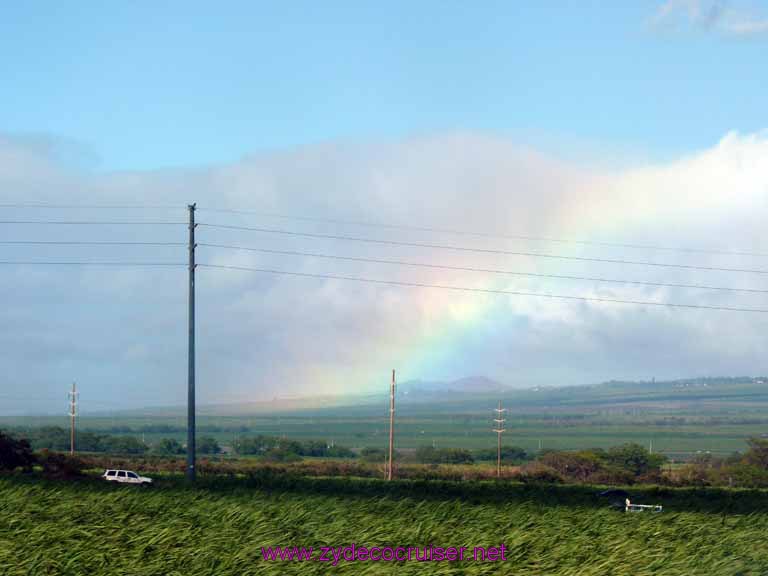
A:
<point x="355" y="553"/>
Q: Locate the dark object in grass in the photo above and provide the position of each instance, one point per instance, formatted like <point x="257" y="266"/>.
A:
<point x="618" y="498"/>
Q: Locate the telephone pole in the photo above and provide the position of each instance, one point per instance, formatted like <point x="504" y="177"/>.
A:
<point x="191" y="352"/>
<point x="391" y="425"/>
<point x="499" y="430"/>
<point x="72" y="414"/>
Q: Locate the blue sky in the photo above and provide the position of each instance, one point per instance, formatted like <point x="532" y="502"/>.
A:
<point x="142" y="85"/>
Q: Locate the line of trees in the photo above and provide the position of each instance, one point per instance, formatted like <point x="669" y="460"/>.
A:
<point x="749" y="469"/>
<point x="623" y="464"/>
<point x="173" y="429"/>
<point x="284" y="450"/>
<point x="57" y="438"/>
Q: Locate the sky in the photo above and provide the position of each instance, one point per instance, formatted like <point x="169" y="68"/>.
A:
<point x="143" y="85"/>
<point x="636" y="123"/>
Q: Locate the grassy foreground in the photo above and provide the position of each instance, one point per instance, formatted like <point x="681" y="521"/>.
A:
<point x="92" y="528"/>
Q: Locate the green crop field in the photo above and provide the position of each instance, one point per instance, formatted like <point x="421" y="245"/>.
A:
<point x="74" y="528"/>
<point x="678" y="418"/>
<point x="454" y="431"/>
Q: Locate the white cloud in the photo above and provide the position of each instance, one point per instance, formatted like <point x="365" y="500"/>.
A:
<point x="733" y="19"/>
<point x="700" y="12"/>
<point x="748" y="27"/>
<point x="122" y="334"/>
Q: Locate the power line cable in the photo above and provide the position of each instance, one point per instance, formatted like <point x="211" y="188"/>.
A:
<point x="484" y="270"/>
<point x="92" y="222"/>
<point x="89" y="243"/>
<point x="485" y="290"/>
<point x="480" y="250"/>
<point x="383" y="225"/>
<point x="94" y="206"/>
<point x="85" y="263"/>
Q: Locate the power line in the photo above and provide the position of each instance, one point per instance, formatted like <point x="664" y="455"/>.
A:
<point x="93" y="206"/>
<point x="480" y="250"/>
<point x="88" y="243"/>
<point x="84" y="263"/>
<point x="383" y="225"/>
<point x="485" y="290"/>
<point x="92" y="222"/>
<point x="484" y="270"/>
<point x="373" y="224"/>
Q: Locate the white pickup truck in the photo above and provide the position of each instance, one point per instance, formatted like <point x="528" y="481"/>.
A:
<point x="126" y="476"/>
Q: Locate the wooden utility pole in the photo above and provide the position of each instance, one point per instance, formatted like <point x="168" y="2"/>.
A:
<point x="72" y="414"/>
<point x="191" y="351"/>
<point x="391" y="425"/>
<point x="499" y="430"/>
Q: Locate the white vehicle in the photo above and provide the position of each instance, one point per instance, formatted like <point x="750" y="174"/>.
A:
<point x="126" y="476"/>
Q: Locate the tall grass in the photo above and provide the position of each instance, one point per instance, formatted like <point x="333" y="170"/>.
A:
<point x="218" y="529"/>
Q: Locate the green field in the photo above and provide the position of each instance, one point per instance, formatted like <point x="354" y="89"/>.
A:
<point x="218" y="529"/>
<point x="455" y="431"/>
<point x="679" y="441"/>
<point x="678" y="418"/>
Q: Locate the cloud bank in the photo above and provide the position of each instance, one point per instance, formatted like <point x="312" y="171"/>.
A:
<point x="121" y="333"/>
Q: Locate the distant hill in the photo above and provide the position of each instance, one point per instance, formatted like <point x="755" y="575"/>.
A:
<point x="477" y="393"/>
<point x="468" y="385"/>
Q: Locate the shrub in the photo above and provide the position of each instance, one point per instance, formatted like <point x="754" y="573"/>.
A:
<point x="280" y="454"/>
<point x="122" y="445"/>
<point x="15" y="453"/>
<point x="373" y="454"/>
<point x="577" y="465"/>
<point x="430" y="455"/>
<point x="538" y="472"/>
<point x="168" y="447"/>
<point x="207" y="445"/>
<point x="509" y="455"/>
<point x="634" y="458"/>
<point x="748" y="475"/>
<point x="339" y="452"/>
<point x="315" y="448"/>
<point x="757" y="455"/>
<point x="612" y="476"/>
<point x="60" y="466"/>
<point x="693" y="475"/>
